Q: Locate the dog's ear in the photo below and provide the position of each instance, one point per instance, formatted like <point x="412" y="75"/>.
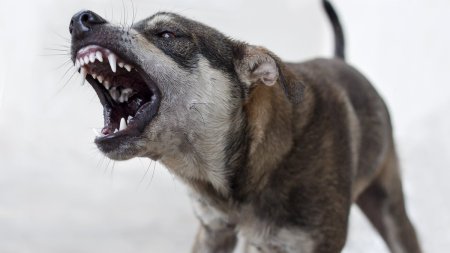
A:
<point x="258" y="66"/>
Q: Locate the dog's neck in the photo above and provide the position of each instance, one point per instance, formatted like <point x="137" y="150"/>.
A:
<point x="265" y="142"/>
<point x="270" y="128"/>
<point x="270" y="134"/>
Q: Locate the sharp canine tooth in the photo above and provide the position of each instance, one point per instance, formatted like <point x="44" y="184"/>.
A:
<point x="99" y="56"/>
<point x="86" y="59"/>
<point x="107" y="84"/>
<point x="114" y="93"/>
<point x="94" y="76"/>
<point x="123" y="124"/>
<point x="112" y="61"/>
<point x="83" y="73"/>
<point x="81" y="62"/>
<point x="121" y="64"/>
<point x="128" y="67"/>
<point x="92" y="57"/>
<point x="77" y="64"/>
<point x="100" y="78"/>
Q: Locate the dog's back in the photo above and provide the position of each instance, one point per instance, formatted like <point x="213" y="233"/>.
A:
<point x="351" y="106"/>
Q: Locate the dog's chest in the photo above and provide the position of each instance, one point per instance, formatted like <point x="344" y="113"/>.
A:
<point x="258" y="234"/>
<point x="266" y="238"/>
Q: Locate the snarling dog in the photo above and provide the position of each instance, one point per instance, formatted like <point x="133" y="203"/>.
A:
<point x="275" y="151"/>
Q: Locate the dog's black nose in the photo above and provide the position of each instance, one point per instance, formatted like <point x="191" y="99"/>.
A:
<point x="83" y="22"/>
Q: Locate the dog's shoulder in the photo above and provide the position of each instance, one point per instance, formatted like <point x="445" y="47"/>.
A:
<point x="336" y="76"/>
<point x="333" y="81"/>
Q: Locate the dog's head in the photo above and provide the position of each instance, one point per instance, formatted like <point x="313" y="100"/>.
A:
<point x="171" y="87"/>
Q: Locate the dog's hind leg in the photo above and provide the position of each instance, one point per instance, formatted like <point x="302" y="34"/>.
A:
<point x="383" y="203"/>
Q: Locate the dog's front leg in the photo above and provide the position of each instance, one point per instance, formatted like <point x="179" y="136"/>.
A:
<point x="216" y="233"/>
<point x="214" y="241"/>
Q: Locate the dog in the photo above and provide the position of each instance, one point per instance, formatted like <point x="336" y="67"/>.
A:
<point x="275" y="152"/>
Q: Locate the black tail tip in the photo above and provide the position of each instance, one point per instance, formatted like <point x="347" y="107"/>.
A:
<point x="339" y="39"/>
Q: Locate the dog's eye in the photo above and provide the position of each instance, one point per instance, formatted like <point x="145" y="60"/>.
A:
<point x="167" y="35"/>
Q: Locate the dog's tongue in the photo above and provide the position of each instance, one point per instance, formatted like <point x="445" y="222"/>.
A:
<point x="107" y="130"/>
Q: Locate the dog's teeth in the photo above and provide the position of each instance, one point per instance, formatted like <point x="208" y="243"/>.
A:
<point x="92" y="57"/>
<point x="123" y="97"/>
<point x="112" y="61"/>
<point x="115" y="131"/>
<point x="126" y="94"/>
<point x="129" y="119"/>
<point x="107" y="84"/>
<point x="83" y="73"/>
<point x="94" y="76"/>
<point x="121" y="64"/>
<point x="100" y="78"/>
<point x="99" y="56"/>
<point x="123" y="124"/>
<point x="128" y="67"/>
<point x="77" y="64"/>
<point x="81" y="61"/>
<point x="86" y="59"/>
<point x="114" y="93"/>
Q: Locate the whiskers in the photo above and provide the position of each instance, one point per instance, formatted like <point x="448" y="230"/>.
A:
<point x="143" y="178"/>
<point x="60" y="51"/>
<point x="106" y="163"/>
<point x="128" y="10"/>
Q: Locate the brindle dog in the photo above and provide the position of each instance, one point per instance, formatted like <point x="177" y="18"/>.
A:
<point x="275" y="151"/>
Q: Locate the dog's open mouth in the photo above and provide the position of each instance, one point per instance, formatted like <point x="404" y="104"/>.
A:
<point x="129" y="97"/>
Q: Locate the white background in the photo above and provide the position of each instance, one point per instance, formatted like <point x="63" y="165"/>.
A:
<point x="57" y="193"/>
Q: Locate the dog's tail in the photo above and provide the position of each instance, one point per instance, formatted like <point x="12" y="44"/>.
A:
<point x="339" y="41"/>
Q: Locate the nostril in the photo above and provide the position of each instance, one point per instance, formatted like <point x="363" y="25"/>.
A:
<point x="83" y="22"/>
<point x="85" y="18"/>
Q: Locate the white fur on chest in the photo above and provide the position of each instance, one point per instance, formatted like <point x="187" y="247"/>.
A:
<point x="258" y="234"/>
<point x="277" y="240"/>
